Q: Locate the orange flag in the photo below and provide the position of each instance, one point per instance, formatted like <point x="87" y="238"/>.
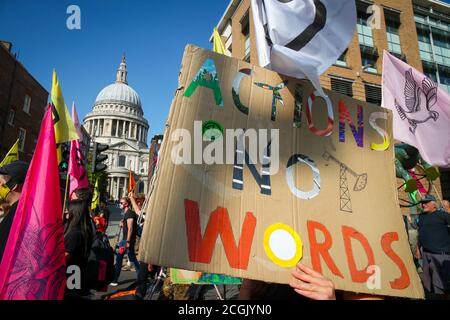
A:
<point x="131" y="181"/>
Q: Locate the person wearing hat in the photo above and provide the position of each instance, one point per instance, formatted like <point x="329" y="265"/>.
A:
<point x="12" y="178"/>
<point x="434" y="243"/>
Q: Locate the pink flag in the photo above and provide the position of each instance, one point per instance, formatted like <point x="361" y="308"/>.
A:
<point x="421" y="110"/>
<point x="77" y="170"/>
<point x="33" y="265"/>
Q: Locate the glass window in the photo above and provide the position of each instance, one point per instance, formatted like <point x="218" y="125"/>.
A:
<point x="11" y="116"/>
<point x="27" y="104"/>
<point x="247" y="49"/>
<point x="444" y="78"/>
<point x="369" y="63"/>
<point x="364" y="31"/>
<point x="426" y="52"/>
<point x="22" y="138"/>
<point x="441" y="42"/>
<point x="393" y="34"/>
<point x="342" y="61"/>
<point x="122" y="161"/>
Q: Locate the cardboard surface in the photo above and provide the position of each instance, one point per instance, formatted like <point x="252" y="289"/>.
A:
<point x="333" y="202"/>
<point x="191" y="277"/>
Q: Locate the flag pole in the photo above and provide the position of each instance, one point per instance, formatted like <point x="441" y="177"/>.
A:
<point x="65" y="194"/>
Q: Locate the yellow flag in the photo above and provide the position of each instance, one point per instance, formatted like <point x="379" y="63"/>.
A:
<point x="218" y="44"/>
<point x="12" y="155"/>
<point x="64" y="128"/>
<point x="96" y="197"/>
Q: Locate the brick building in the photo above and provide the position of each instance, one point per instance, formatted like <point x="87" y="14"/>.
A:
<point x="22" y="105"/>
<point x="416" y="31"/>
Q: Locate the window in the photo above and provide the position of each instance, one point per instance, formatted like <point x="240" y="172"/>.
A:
<point x="444" y="77"/>
<point x="369" y="63"/>
<point x="247" y="49"/>
<point x="373" y="93"/>
<point x="342" y="86"/>
<point x="430" y="71"/>
<point x="342" y="60"/>
<point x="122" y="161"/>
<point x="11" y="116"/>
<point x="441" y="40"/>
<point x="120" y="131"/>
<point x="245" y="24"/>
<point x="393" y="34"/>
<point x="364" y="30"/>
<point x="426" y="53"/>
<point x="114" y="128"/>
<point x="27" y="104"/>
<point x="22" y="137"/>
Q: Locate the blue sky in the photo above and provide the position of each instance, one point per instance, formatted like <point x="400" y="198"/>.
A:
<point x="152" y="33"/>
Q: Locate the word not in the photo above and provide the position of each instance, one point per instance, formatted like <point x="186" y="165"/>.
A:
<point x="74" y="20"/>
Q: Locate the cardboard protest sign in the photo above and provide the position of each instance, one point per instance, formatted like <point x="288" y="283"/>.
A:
<point x="318" y="185"/>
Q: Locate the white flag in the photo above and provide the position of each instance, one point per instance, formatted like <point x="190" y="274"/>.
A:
<point x="302" y="38"/>
<point x="421" y="110"/>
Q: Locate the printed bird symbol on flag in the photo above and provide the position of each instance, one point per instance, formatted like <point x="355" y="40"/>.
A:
<point x="415" y="112"/>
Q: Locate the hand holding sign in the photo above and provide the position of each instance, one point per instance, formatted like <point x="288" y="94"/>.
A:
<point x="312" y="284"/>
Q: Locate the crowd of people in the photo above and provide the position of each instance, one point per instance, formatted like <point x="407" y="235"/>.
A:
<point x="82" y="225"/>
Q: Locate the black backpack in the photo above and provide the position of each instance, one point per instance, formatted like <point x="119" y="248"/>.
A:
<point x="100" y="266"/>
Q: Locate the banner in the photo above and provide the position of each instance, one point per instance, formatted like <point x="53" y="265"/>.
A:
<point x="302" y="38"/>
<point x="421" y="110"/>
<point x="317" y="185"/>
<point x="12" y="155"/>
<point x="33" y="265"/>
<point x="77" y="168"/>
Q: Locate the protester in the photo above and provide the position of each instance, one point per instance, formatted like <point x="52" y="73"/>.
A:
<point x="100" y="223"/>
<point x="129" y="239"/>
<point x="103" y="208"/>
<point x="434" y="243"/>
<point x="83" y="194"/>
<point x="12" y="177"/>
<point x="77" y="241"/>
<point x="446" y="206"/>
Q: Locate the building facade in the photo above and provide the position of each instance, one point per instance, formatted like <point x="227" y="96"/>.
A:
<point x="155" y="146"/>
<point x="416" y="31"/>
<point x="23" y="102"/>
<point x="117" y="119"/>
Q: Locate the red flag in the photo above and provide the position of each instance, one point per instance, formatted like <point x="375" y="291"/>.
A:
<point x="77" y="169"/>
<point x="131" y="182"/>
<point x="33" y="265"/>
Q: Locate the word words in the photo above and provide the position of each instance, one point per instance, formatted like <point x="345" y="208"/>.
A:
<point x="201" y="248"/>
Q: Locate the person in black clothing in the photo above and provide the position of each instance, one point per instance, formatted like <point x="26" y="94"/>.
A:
<point x="77" y="241"/>
<point x="434" y="243"/>
<point x="12" y="177"/>
<point x="129" y="226"/>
